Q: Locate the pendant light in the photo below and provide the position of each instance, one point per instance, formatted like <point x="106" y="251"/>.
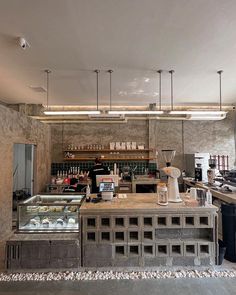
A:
<point x="65" y="112"/>
<point x="206" y="114"/>
<point x="134" y="112"/>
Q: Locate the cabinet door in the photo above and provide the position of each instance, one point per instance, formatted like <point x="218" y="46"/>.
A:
<point x="65" y="254"/>
<point x="35" y="254"/>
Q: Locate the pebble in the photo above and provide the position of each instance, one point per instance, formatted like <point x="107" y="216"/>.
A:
<point x="114" y="275"/>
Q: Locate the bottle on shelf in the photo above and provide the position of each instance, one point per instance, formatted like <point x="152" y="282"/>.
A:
<point x="115" y="168"/>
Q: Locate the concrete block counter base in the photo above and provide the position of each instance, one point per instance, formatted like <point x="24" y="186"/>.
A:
<point x="137" y="232"/>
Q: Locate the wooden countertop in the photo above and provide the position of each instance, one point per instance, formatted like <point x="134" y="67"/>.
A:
<point x="141" y="202"/>
<point x="226" y="197"/>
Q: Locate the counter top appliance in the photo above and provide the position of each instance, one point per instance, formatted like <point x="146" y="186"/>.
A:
<point x="173" y="174"/>
<point x="49" y="213"/>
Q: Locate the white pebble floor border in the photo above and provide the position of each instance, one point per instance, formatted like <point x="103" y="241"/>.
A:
<point x="114" y="275"/>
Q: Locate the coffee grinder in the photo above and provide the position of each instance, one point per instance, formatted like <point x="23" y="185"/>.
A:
<point x="173" y="174"/>
<point x="212" y="171"/>
<point x="198" y="172"/>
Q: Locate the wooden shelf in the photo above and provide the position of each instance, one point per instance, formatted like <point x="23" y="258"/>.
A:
<point x="108" y="159"/>
<point x="107" y="150"/>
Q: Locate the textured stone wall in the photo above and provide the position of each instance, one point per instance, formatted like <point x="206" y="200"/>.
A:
<point x="17" y="128"/>
<point x="96" y="133"/>
<point x="215" y="137"/>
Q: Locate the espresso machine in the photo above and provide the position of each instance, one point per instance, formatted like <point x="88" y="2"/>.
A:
<point x="197" y="166"/>
<point x="173" y="174"/>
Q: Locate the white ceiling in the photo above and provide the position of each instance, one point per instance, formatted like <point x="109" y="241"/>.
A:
<point x="133" y="37"/>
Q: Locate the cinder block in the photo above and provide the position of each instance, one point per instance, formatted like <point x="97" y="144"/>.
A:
<point x="148" y="235"/>
<point x="162" y="221"/>
<point x="163" y="248"/>
<point x="148" y="249"/>
<point x="134" y="235"/>
<point x="148" y="221"/>
<point x="90" y="222"/>
<point x="197" y="261"/>
<point x="191" y="233"/>
<point x="190" y="248"/>
<point x="175" y="221"/>
<point x="119" y="221"/>
<point x="134" y="250"/>
<point x="155" y="261"/>
<point x="204" y="221"/>
<point x="168" y="233"/>
<point x="127" y="262"/>
<point x="134" y="221"/>
<point x="207" y="261"/>
<point x="120" y="236"/>
<point x="176" y="248"/>
<point x="120" y="251"/>
<point x="93" y="253"/>
<point x="90" y="236"/>
<point x="189" y="220"/>
<point x="204" y="249"/>
<point x="183" y="261"/>
<point x="105" y="222"/>
<point x="105" y="236"/>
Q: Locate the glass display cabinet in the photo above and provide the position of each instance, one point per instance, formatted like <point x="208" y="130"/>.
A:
<point x="49" y="213"/>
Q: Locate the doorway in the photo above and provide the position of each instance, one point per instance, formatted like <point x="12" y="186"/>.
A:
<point x="23" y="174"/>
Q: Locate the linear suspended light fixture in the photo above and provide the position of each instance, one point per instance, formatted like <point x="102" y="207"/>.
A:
<point x="67" y="112"/>
<point x="198" y="112"/>
<point x="72" y="112"/>
<point x="205" y="114"/>
<point x="208" y="118"/>
<point x="135" y="112"/>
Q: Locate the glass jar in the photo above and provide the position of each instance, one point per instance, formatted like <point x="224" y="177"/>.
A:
<point x="162" y="195"/>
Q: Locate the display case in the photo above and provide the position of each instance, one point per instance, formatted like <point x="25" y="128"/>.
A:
<point x="49" y="213"/>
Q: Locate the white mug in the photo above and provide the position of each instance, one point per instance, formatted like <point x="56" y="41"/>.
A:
<point x="192" y="192"/>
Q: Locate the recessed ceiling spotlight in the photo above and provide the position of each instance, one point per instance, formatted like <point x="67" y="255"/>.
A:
<point x="23" y="43"/>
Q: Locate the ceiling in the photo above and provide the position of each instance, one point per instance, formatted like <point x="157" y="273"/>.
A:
<point x="133" y="37"/>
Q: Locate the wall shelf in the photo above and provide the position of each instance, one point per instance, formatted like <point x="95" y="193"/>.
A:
<point x="107" y="150"/>
<point x="108" y="159"/>
<point x="109" y="155"/>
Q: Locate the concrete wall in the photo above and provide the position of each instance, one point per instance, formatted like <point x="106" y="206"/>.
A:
<point x="215" y="137"/>
<point x="96" y="133"/>
<point x="17" y="128"/>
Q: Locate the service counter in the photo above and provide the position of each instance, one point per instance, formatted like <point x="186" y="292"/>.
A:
<point x="136" y="231"/>
<point x="132" y="230"/>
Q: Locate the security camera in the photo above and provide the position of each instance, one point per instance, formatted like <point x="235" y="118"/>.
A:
<point x="23" y="43"/>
